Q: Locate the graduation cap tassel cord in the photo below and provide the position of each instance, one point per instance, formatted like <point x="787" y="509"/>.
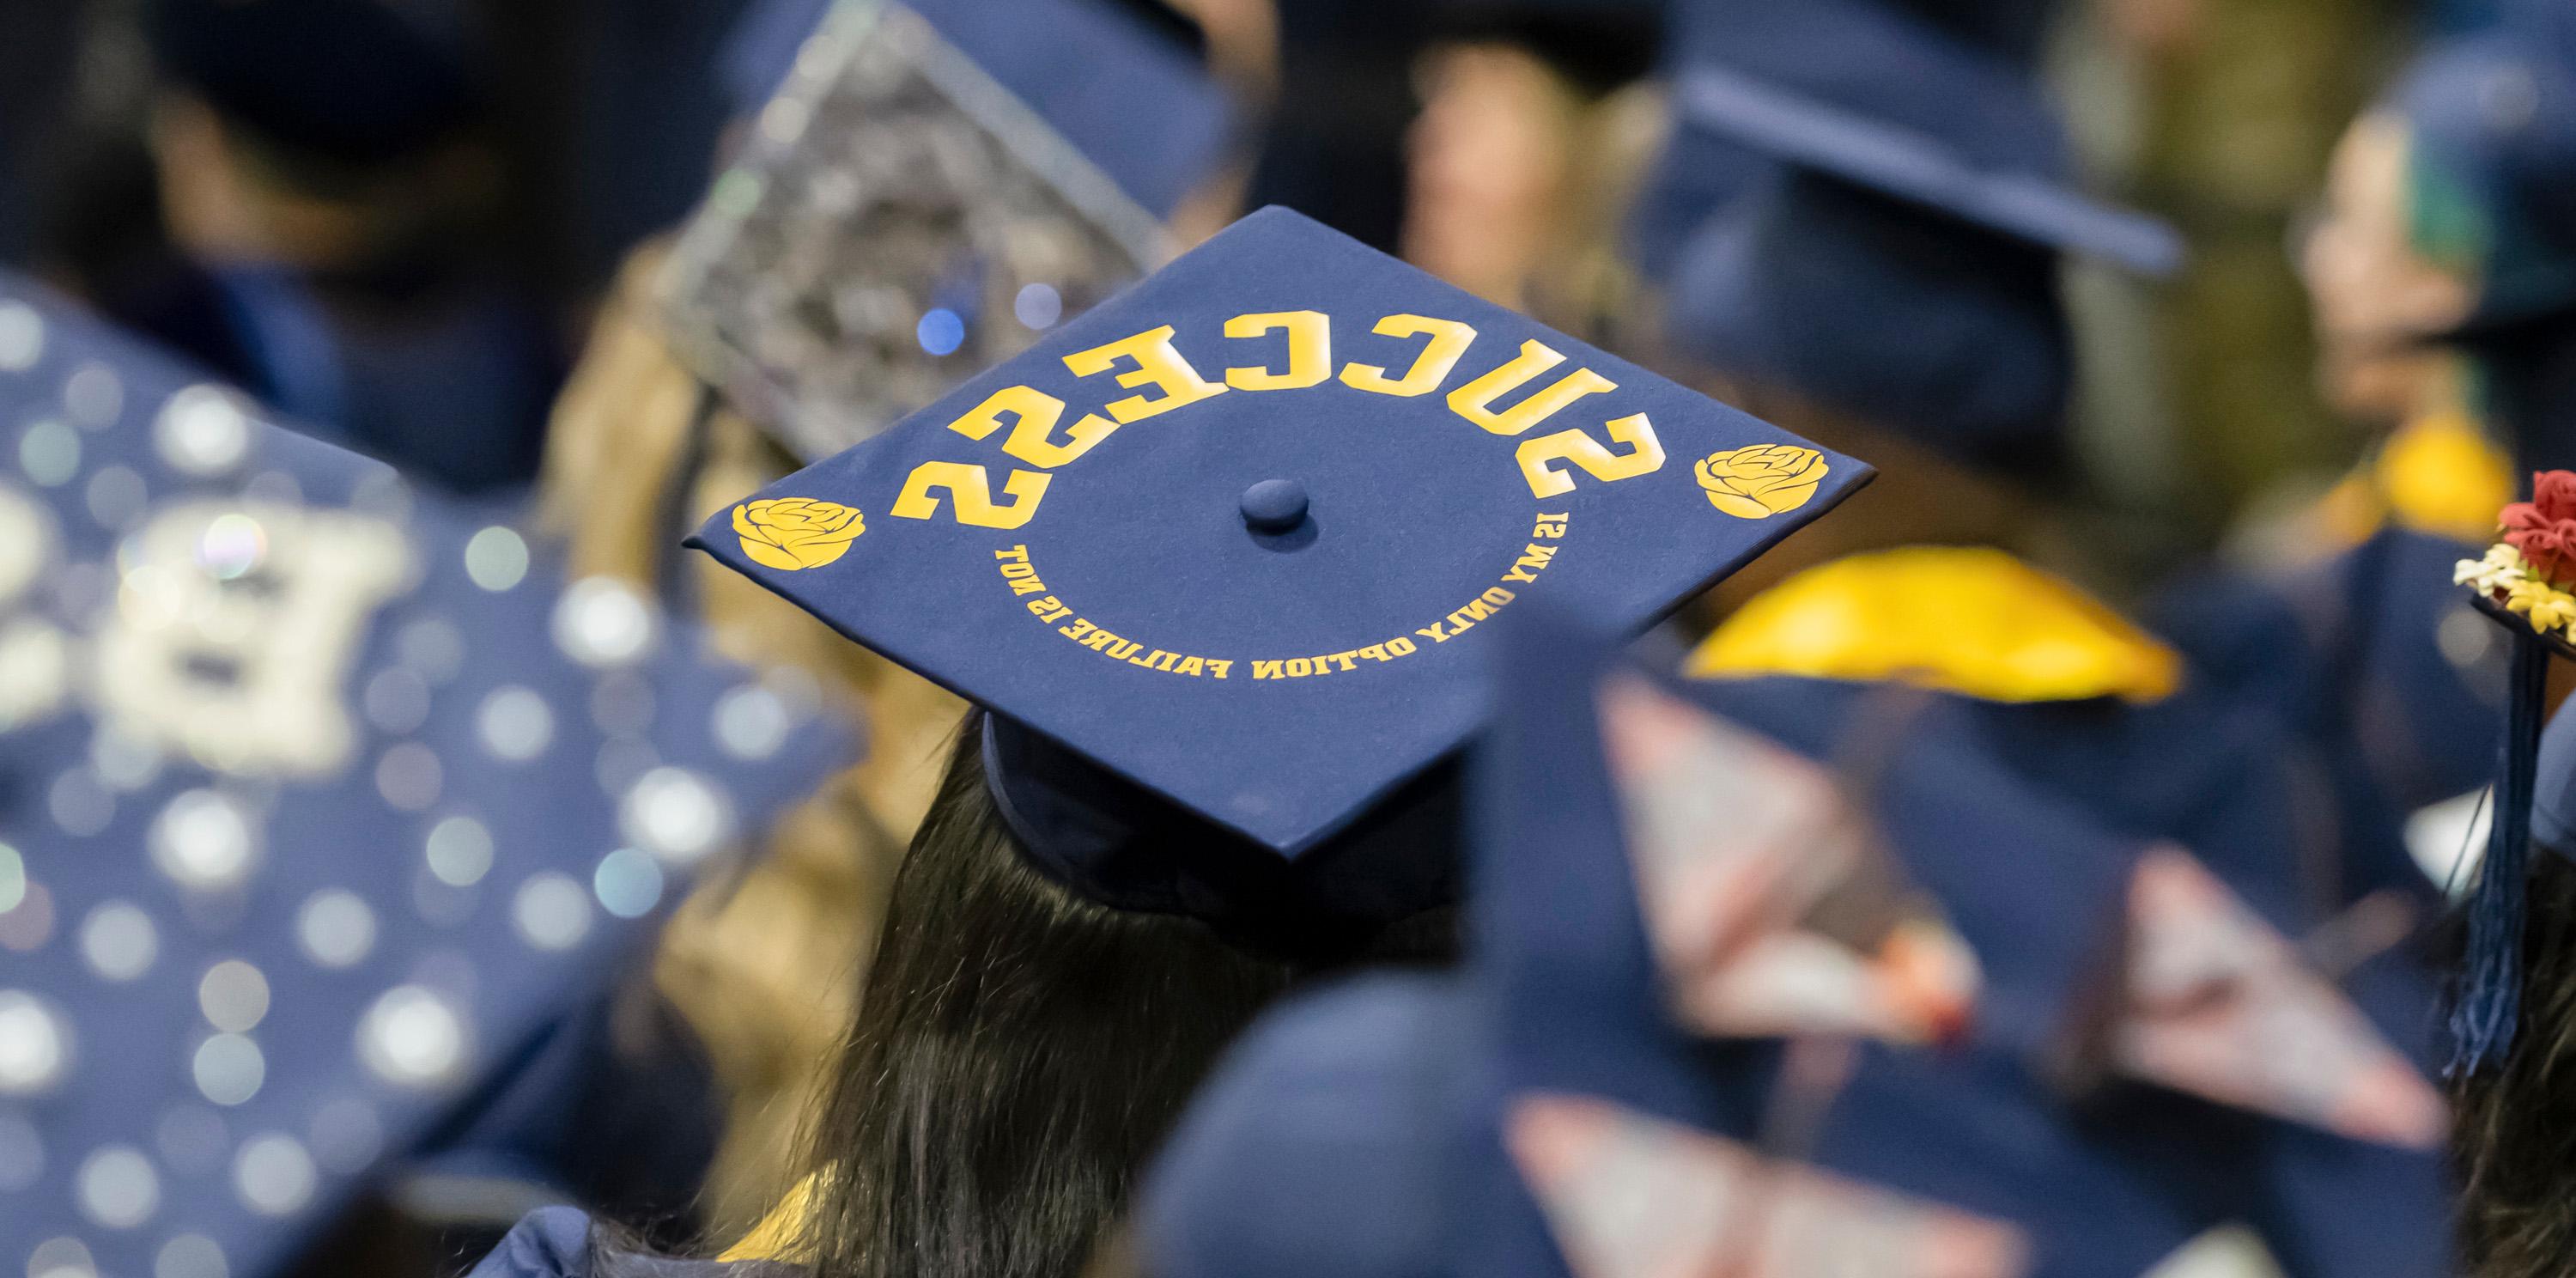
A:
<point x="2489" y="997"/>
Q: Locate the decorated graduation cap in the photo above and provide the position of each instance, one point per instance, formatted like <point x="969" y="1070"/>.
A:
<point x="355" y="81"/>
<point x="1220" y="556"/>
<point x="2104" y="977"/>
<point x="2526" y="581"/>
<point x="323" y="807"/>
<point x="1571" y="1105"/>
<point x="1896" y="256"/>
<point x="933" y="186"/>
<point x="2493" y="130"/>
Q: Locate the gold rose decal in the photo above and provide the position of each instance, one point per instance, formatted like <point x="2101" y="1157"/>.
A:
<point x="1762" y="480"/>
<point x="792" y="533"/>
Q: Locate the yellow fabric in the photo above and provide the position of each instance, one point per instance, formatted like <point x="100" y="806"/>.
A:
<point x="1960" y="619"/>
<point x="780" y="1233"/>
<point x="2439" y="475"/>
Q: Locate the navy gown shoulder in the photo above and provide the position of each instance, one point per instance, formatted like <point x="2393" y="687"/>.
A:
<point x="558" y="1242"/>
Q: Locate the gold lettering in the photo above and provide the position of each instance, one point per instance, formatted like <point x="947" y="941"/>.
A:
<point x="1475" y="400"/>
<point x="1440" y="355"/>
<point x="1033" y="415"/>
<point x="1533" y="558"/>
<point x="1645" y="456"/>
<point x="1157" y="364"/>
<point x="973" y="491"/>
<point x="1310" y="350"/>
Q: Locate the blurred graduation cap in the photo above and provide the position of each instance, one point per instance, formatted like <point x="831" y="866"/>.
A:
<point x="1218" y="555"/>
<point x="1599" y="45"/>
<point x="1906" y="805"/>
<point x="932" y="187"/>
<point x="351" y="81"/>
<point x="2111" y="978"/>
<point x="322" y="806"/>
<point x="1895" y="254"/>
<point x="1561" y="1108"/>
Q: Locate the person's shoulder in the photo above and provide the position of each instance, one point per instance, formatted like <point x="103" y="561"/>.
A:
<point x="560" y="1242"/>
<point x="551" y="1242"/>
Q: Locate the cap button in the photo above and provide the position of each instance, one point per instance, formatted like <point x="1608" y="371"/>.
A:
<point x="1274" y="505"/>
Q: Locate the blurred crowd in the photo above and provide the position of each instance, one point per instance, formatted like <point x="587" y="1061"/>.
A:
<point x="400" y="832"/>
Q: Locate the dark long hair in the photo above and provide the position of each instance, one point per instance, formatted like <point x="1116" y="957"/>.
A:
<point x="1018" y="1053"/>
<point x="2515" y="1138"/>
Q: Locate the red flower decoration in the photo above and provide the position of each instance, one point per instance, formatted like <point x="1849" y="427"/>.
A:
<point x="2544" y="528"/>
<point x="2553" y="492"/>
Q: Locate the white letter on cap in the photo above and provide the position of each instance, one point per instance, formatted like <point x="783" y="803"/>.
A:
<point x="247" y="680"/>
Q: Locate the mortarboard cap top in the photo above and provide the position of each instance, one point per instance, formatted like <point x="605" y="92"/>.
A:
<point x="322" y="798"/>
<point x="1230" y="540"/>
<point x="1123" y="81"/>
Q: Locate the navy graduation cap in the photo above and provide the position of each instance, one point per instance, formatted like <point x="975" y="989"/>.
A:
<point x="359" y="82"/>
<point x="1648" y="845"/>
<point x="1565" y="1106"/>
<point x="934" y="186"/>
<point x="1546" y="1113"/>
<point x="324" y="810"/>
<point x="1865" y="201"/>
<point x="1881" y="95"/>
<point x="1120" y="80"/>
<point x="1219" y="556"/>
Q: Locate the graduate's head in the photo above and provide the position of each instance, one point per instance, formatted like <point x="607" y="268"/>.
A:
<point x="314" y="130"/>
<point x="2446" y="216"/>
<point x="1527" y="149"/>
<point x="2376" y="279"/>
<point x="1884" y="256"/>
<point x="1219" y="562"/>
